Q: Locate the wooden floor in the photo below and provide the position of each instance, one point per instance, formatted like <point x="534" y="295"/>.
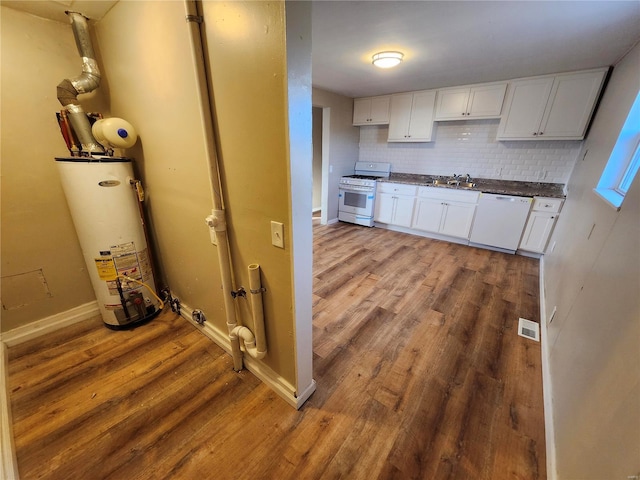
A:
<point x="420" y="375"/>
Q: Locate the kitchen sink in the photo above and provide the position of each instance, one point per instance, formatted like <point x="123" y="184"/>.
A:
<point x="440" y="182"/>
<point x="453" y="183"/>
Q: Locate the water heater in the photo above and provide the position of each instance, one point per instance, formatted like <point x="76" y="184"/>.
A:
<point x="106" y="213"/>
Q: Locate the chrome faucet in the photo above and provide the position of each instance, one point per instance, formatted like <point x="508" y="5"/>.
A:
<point x="468" y="178"/>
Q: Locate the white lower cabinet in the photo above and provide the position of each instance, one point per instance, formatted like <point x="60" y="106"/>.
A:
<point x="428" y="214"/>
<point x="447" y="212"/>
<point x="394" y="204"/>
<point x="540" y="223"/>
<point x="443" y="212"/>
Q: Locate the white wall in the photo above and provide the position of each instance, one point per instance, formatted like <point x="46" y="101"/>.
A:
<point x="471" y="147"/>
<point x="339" y="146"/>
<point x="593" y="278"/>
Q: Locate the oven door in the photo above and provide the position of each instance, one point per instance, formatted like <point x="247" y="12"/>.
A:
<point x="356" y="200"/>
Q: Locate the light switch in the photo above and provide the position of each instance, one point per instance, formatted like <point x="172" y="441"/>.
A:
<point x="277" y="234"/>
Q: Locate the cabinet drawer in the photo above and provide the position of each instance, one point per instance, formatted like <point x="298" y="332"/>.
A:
<point x="449" y="194"/>
<point x="551" y="205"/>
<point x="399" y="188"/>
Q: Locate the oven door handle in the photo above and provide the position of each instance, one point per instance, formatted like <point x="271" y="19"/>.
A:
<point x="356" y="189"/>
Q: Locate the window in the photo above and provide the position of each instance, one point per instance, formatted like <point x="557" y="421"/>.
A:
<point x="628" y="175"/>
<point x="624" y="161"/>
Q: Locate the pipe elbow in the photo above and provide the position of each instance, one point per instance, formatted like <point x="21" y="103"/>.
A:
<point x="248" y="340"/>
<point x="247" y="337"/>
<point x="67" y="94"/>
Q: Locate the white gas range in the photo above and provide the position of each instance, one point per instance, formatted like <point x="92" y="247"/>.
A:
<point x="357" y="192"/>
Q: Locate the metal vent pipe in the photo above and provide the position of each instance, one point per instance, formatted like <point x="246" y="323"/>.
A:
<point x="87" y="81"/>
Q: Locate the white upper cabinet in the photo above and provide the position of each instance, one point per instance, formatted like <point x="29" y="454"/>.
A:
<point x="411" y="117"/>
<point x="554" y="107"/>
<point x="462" y="103"/>
<point x="371" y="110"/>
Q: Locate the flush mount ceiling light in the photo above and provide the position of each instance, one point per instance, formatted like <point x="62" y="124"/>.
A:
<point x="387" y="59"/>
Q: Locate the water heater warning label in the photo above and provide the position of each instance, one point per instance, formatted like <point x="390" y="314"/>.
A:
<point x="106" y="269"/>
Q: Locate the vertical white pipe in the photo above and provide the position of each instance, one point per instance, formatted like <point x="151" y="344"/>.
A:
<point x="217" y="221"/>
<point x="255" y="289"/>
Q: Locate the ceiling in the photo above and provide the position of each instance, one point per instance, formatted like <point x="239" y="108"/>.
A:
<point x="452" y="43"/>
<point x="54" y="9"/>
<point x="446" y="43"/>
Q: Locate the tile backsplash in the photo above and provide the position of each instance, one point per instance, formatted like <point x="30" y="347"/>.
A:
<point x="471" y="147"/>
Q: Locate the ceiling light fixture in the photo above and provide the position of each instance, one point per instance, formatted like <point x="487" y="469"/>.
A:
<point x="387" y="59"/>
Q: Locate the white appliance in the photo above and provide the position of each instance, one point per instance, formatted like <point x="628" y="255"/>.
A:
<point x="105" y="211"/>
<point x="499" y="221"/>
<point x="357" y="192"/>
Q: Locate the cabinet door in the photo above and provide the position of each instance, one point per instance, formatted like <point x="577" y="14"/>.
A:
<point x="384" y="208"/>
<point x="537" y="231"/>
<point x="452" y="104"/>
<point x="486" y="101"/>
<point x="524" y="108"/>
<point x="361" y="111"/>
<point x="457" y="219"/>
<point x="400" y="116"/>
<point x="421" y="121"/>
<point x="380" y="110"/>
<point x="571" y="104"/>
<point x="403" y="210"/>
<point x="428" y="214"/>
<point x="371" y="110"/>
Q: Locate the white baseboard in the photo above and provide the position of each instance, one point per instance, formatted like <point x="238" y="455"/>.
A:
<point x="8" y="462"/>
<point x="274" y="381"/>
<point x="549" y="429"/>
<point x="333" y="220"/>
<point x="50" y="324"/>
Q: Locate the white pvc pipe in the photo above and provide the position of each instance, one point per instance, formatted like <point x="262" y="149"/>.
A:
<point x="254" y="345"/>
<point x="217" y="219"/>
<point x="257" y="310"/>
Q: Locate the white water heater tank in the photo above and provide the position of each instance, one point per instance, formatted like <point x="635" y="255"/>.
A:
<point x="106" y="213"/>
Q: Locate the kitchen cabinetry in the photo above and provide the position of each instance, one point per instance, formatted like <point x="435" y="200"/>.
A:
<point x="552" y="107"/>
<point x="411" y="117"/>
<point x="447" y="212"/>
<point x="540" y="223"/>
<point x="371" y="110"/>
<point x="394" y="204"/>
<point x="463" y="103"/>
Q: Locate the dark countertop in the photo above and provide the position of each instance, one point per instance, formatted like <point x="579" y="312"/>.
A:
<point x="486" y="185"/>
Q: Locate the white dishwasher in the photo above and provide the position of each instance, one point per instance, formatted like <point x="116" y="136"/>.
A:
<point x="499" y="221"/>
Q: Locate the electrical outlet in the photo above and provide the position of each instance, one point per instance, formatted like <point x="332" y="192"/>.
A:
<point x="277" y="234"/>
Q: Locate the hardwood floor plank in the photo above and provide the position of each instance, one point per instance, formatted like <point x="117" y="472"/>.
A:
<point x="420" y="375"/>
